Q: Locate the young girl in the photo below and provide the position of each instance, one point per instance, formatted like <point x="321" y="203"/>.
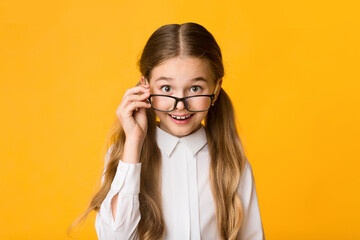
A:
<point x="183" y="176"/>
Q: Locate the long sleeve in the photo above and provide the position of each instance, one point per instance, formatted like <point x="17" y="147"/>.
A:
<point x="127" y="183"/>
<point x="251" y="228"/>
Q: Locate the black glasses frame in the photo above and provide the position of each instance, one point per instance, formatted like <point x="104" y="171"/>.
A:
<point x="212" y="96"/>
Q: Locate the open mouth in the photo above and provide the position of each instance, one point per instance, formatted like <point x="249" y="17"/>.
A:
<point x="181" y="117"/>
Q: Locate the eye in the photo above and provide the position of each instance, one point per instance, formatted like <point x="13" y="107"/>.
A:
<point x="166" y="88"/>
<point x="195" y="89"/>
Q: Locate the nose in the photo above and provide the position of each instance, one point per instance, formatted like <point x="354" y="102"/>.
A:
<point x="180" y="105"/>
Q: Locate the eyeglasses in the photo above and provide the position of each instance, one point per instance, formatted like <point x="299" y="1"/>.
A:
<point x="196" y="103"/>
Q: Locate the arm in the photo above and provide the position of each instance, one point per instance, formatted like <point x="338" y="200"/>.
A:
<point x="251" y="227"/>
<point x="119" y="213"/>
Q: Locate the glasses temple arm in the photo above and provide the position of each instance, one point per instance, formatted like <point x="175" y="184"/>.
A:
<point x="216" y="87"/>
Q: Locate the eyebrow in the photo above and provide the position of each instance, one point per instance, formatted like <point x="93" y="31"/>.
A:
<point x="193" y="79"/>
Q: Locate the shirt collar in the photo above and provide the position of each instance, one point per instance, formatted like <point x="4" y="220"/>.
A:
<point x="194" y="142"/>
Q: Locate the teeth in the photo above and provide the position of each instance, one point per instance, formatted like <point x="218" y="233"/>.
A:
<point x="180" y="118"/>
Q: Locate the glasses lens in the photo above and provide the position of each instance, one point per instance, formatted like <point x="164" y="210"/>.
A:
<point x="162" y="103"/>
<point x="198" y="103"/>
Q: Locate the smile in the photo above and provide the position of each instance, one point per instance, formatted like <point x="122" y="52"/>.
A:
<point x="181" y="117"/>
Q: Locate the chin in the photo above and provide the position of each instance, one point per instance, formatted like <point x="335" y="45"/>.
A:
<point x="180" y="131"/>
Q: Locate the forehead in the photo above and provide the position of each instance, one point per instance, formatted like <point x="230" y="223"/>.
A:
<point x="183" y="69"/>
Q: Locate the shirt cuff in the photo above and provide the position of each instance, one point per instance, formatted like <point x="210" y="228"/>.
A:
<point x="127" y="178"/>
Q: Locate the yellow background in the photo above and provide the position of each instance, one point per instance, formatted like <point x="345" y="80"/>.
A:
<point x="292" y="71"/>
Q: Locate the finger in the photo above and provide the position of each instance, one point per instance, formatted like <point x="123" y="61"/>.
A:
<point x="128" y="111"/>
<point x="137" y="90"/>
<point x="130" y="100"/>
<point x="134" y="106"/>
<point x="133" y="94"/>
<point x="134" y="98"/>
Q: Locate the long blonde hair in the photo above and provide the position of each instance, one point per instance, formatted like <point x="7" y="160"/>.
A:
<point x="226" y="151"/>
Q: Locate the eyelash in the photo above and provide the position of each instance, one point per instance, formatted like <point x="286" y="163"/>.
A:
<point x="167" y="86"/>
<point x="198" y="87"/>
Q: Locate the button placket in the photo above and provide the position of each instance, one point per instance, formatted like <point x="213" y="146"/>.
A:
<point x="193" y="195"/>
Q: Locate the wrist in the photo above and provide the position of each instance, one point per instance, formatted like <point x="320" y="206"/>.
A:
<point x="134" y="142"/>
<point x="136" y="138"/>
<point x="132" y="150"/>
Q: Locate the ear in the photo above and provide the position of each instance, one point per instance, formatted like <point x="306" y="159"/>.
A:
<point x="218" y="90"/>
<point x="143" y="80"/>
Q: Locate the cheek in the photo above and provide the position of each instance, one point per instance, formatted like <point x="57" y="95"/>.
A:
<point x="161" y="115"/>
<point x="201" y="115"/>
<point x="152" y="89"/>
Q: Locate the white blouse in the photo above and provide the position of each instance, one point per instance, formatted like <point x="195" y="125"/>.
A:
<point x="188" y="204"/>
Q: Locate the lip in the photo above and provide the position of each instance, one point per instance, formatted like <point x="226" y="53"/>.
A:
<point x="184" y="115"/>
<point x="185" y="121"/>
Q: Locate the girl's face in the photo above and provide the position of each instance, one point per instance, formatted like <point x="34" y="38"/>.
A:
<point x="181" y="77"/>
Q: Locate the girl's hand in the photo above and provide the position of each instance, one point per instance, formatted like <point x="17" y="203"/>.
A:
<point x="132" y="114"/>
